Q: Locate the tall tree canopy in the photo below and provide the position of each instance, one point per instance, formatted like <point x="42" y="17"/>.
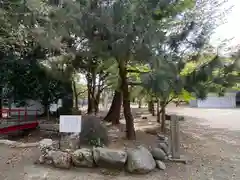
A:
<point x="111" y="41"/>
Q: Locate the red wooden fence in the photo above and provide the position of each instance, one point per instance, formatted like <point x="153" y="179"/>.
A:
<point x="18" y="123"/>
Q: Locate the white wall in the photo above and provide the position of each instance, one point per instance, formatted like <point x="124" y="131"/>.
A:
<point x="193" y="103"/>
<point x="213" y="101"/>
<point x="32" y="106"/>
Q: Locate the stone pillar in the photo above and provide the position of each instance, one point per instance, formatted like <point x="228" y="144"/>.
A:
<point x="174" y="137"/>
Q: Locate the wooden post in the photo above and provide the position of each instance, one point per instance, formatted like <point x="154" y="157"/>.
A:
<point x="19" y="115"/>
<point x="25" y="115"/>
<point x="36" y="115"/>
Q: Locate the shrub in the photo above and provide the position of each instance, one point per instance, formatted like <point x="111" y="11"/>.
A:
<point x="93" y="133"/>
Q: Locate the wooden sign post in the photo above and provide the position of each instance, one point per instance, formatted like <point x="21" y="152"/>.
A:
<point x="70" y="125"/>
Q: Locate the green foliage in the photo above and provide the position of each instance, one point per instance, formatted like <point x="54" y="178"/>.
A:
<point x="158" y="42"/>
<point x="185" y="96"/>
<point x="32" y="81"/>
<point x="137" y="92"/>
<point x="110" y="68"/>
<point x="169" y="9"/>
<point x="96" y="142"/>
<point x="237" y="87"/>
<point x="93" y="132"/>
<point x="82" y="91"/>
<point x="196" y="78"/>
<point x="21" y="53"/>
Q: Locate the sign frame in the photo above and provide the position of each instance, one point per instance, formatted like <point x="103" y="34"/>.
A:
<point x="70" y="124"/>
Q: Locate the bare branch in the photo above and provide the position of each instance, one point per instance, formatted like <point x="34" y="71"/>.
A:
<point x="134" y="83"/>
<point x="136" y="71"/>
<point x="81" y="92"/>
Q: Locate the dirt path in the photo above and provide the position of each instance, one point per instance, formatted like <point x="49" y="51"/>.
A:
<point x="215" y="155"/>
<point x="215" y="152"/>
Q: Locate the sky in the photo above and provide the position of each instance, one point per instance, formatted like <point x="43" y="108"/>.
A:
<point x="230" y="29"/>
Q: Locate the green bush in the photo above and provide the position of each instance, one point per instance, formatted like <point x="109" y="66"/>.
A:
<point x="93" y="133"/>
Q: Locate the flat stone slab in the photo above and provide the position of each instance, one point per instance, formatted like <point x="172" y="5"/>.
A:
<point x="18" y="144"/>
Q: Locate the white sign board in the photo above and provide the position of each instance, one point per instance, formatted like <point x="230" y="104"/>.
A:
<point x="70" y="124"/>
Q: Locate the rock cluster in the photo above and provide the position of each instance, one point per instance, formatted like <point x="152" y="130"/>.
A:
<point x="138" y="160"/>
<point x="82" y="158"/>
<point x="163" y="143"/>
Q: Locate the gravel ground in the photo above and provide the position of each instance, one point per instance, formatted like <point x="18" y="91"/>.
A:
<point x="214" y="154"/>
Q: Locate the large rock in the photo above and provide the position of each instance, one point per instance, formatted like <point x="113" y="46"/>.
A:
<point x="109" y="158"/>
<point x="93" y="132"/>
<point x="162" y="138"/>
<point x="70" y="142"/>
<point x="160" y="165"/>
<point x="140" y="160"/>
<point x="44" y="159"/>
<point x="163" y="146"/>
<point x="60" y="159"/>
<point x="159" y="154"/>
<point x="47" y="145"/>
<point x="40" y="160"/>
<point x="83" y="158"/>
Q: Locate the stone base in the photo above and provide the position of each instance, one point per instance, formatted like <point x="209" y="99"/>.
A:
<point x="69" y="142"/>
<point x="182" y="159"/>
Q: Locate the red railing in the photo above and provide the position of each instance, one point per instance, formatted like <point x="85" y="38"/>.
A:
<point x="22" y="124"/>
<point x="19" y="114"/>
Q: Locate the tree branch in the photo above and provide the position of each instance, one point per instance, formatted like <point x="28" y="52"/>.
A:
<point x="81" y="92"/>
<point x="169" y="100"/>
<point x="134" y="83"/>
<point x="136" y="71"/>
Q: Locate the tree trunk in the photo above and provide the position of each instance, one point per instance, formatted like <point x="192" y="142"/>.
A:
<point x="67" y="105"/>
<point x="92" y="95"/>
<point x="75" y="95"/>
<point x="96" y="102"/>
<point x="1" y="102"/>
<point x="163" y="118"/>
<point x="115" y="109"/>
<point x="45" y="109"/>
<point x="151" y="107"/>
<point x="158" y="111"/>
<point x="67" y="100"/>
<point x="48" y="115"/>
<point x="9" y="107"/>
<point x="90" y="99"/>
<point x="45" y="103"/>
<point x="133" y="99"/>
<point x="130" y="131"/>
<point x="140" y="103"/>
<point x="90" y="104"/>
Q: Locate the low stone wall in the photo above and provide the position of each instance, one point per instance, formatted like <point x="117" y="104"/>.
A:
<point x="139" y="160"/>
<point x="15" y="144"/>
